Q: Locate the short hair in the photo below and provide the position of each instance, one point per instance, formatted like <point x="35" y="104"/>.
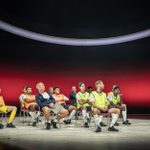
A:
<point x="27" y="87"/>
<point x="115" y="87"/>
<point x="56" y="87"/>
<point x="37" y="85"/>
<point x="89" y="87"/>
<point x="98" y="82"/>
<point x="80" y="83"/>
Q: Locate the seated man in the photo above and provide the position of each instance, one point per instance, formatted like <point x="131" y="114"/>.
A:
<point x="100" y="104"/>
<point x="47" y="104"/>
<point x="28" y="101"/>
<point x="72" y="96"/>
<point x="61" y="99"/>
<point x="83" y="103"/>
<point x="6" y="109"/>
<point x="115" y="100"/>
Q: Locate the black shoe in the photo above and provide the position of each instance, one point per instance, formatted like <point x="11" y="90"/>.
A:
<point x="86" y="125"/>
<point x="54" y="124"/>
<point x="1" y="126"/>
<point x="66" y="121"/>
<point x="116" y="124"/>
<point x="102" y="124"/>
<point x="113" y="129"/>
<point x="34" y="124"/>
<point x="126" y="122"/>
<point x="10" y="125"/>
<point x="69" y="121"/>
<point x="98" y="129"/>
<point x="48" y="126"/>
<point x="38" y="120"/>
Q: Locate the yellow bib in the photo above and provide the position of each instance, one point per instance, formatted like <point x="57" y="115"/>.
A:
<point x="84" y="96"/>
<point x="115" y="100"/>
<point x="100" y="99"/>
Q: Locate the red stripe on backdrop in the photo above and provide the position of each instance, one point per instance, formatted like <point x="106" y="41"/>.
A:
<point x="135" y="87"/>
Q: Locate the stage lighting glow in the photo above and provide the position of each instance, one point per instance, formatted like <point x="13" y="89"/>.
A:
<point x="72" y="41"/>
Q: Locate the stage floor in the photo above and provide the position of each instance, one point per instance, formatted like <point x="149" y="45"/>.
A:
<point x="75" y="136"/>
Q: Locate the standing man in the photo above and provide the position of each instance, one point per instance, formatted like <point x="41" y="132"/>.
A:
<point x="100" y="105"/>
<point x="115" y="100"/>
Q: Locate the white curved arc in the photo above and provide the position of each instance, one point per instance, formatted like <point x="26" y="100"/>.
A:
<point x="72" y="41"/>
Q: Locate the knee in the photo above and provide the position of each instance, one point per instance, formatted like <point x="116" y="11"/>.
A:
<point x="15" y="108"/>
<point x="118" y="111"/>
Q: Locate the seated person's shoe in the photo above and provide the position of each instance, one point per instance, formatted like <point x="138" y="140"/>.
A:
<point x="86" y="125"/>
<point x="102" y="124"/>
<point x="69" y="121"/>
<point x="66" y="121"/>
<point x="48" y="126"/>
<point x="10" y="125"/>
<point x="54" y="124"/>
<point x="98" y="129"/>
<point x="126" y="122"/>
<point x="1" y="126"/>
<point x="34" y="124"/>
<point x="116" y="124"/>
<point x="113" y="129"/>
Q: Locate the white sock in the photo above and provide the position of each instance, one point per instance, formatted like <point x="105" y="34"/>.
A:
<point x="87" y="115"/>
<point x="97" y="120"/>
<point x="33" y="116"/>
<point x="124" y="115"/>
<point x="38" y="114"/>
<point x="114" y="119"/>
<point x="84" y="115"/>
<point x="73" y="112"/>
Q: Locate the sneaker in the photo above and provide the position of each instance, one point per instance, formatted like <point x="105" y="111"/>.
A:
<point x="69" y="121"/>
<point x="48" y="126"/>
<point x="113" y="129"/>
<point x="102" y="124"/>
<point x="116" y="124"/>
<point x="86" y="125"/>
<point x="10" y="125"/>
<point x="98" y="129"/>
<point x="54" y="124"/>
<point x="34" y="124"/>
<point x="1" y="126"/>
<point x="126" y="122"/>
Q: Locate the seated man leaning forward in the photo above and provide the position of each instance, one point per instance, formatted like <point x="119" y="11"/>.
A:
<point x="61" y="99"/>
<point x="115" y="100"/>
<point x="100" y="105"/>
<point x="6" y="109"/>
<point x="48" y="105"/>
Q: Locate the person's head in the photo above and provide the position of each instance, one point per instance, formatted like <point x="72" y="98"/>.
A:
<point x="51" y="90"/>
<point x="99" y="85"/>
<point x="73" y="89"/>
<point x="81" y="86"/>
<point x="89" y="89"/>
<point x="28" y="90"/>
<point x="116" y="89"/>
<point x="56" y="90"/>
<point x="40" y="87"/>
